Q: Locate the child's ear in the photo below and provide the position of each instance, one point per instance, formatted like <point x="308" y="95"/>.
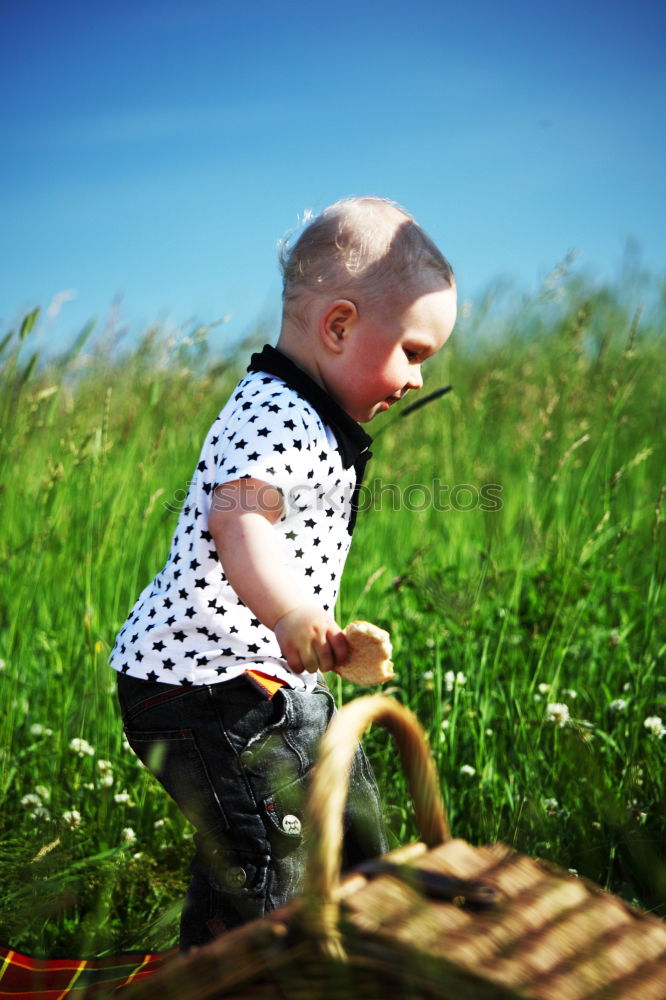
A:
<point x="336" y="324"/>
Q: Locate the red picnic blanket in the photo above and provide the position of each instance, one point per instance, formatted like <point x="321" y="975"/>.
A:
<point x="72" y="978"/>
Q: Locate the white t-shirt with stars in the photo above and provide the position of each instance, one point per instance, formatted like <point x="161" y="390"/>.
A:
<point x="189" y="626"/>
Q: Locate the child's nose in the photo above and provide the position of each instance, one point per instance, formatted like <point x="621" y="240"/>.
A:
<point x="415" y="379"/>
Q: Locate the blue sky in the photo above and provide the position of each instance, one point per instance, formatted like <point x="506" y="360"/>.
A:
<point x="158" y="150"/>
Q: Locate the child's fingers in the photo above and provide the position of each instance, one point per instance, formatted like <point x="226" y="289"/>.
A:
<point x="340" y="648"/>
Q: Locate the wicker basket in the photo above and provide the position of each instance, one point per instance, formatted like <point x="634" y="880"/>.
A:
<point x="436" y="919"/>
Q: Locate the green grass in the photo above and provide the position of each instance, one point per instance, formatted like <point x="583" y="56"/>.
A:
<point x="562" y="586"/>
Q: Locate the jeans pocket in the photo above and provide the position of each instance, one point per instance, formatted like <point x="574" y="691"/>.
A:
<point x="174" y="758"/>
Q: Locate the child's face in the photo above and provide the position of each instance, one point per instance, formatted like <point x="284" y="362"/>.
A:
<point x="382" y="357"/>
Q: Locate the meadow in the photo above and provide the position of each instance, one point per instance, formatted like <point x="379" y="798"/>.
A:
<point x="512" y="543"/>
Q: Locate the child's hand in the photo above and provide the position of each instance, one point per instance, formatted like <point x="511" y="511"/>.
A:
<point x="310" y="639"/>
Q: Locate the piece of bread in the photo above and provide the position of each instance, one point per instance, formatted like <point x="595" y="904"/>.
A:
<point x="370" y="656"/>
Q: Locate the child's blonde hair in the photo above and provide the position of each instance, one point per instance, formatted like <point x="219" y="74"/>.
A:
<point x="357" y="248"/>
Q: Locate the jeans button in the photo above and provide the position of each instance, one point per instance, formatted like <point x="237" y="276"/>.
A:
<point x="235" y="877"/>
<point x="291" y="824"/>
<point x="246" y="758"/>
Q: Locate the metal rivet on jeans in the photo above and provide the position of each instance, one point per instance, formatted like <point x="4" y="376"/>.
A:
<point x="235" y="877"/>
<point x="246" y="758"/>
<point x="291" y="824"/>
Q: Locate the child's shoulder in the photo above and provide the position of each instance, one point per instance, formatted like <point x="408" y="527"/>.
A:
<point x="269" y="404"/>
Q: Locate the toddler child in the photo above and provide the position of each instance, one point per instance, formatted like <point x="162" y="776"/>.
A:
<point x="218" y="663"/>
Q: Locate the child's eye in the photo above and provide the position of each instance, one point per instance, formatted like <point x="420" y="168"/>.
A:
<point x="411" y="355"/>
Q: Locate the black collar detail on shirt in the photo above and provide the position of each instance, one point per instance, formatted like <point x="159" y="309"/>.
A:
<point x="352" y="440"/>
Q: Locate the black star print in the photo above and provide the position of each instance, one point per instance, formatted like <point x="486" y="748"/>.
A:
<point x="241" y="444"/>
<point x="168" y="664"/>
<point x="151" y="675"/>
<point x="309" y="571"/>
<point x="291" y="535"/>
<point x="201" y="466"/>
<point x="180" y="636"/>
<point x="200" y="583"/>
<point x="309" y="523"/>
<point x="279" y="448"/>
<point x="159" y="645"/>
<point x="190" y="654"/>
<point x="289" y="424"/>
<point x="170" y="620"/>
<point x="255" y="623"/>
<point x="299" y="553"/>
<point x="194" y="564"/>
<point x="317" y="589"/>
<point x="206" y="536"/>
<point x="253" y="456"/>
<point x="263" y="432"/>
<point x="167" y="602"/>
<point x="190" y="613"/>
<point x="273" y="407"/>
<point x="207" y="488"/>
<point x="214" y="440"/>
<point x="138" y="655"/>
<point x="227" y="652"/>
<point x="182" y="594"/>
<point x="186" y="683"/>
<point x="298" y="444"/>
<point x="253" y="648"/>
<point x="212" y="554"/>
<point x="189" y="529"/>
<point x="135" y="637"/>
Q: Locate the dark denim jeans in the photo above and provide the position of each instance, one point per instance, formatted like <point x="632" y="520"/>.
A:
<point x="237" y="764"/>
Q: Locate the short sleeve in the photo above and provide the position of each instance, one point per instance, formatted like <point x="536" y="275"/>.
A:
<point x="273" y="436"/>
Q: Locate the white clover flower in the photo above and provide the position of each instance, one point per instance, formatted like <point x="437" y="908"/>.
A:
<point x="558" y="713"/>
<point x="452" y="679"/>
<point x="618" y="705"/>
<point x="43" y="792"/>
<point x="31" y="800"/>
<point x="551" y="806"/>
<point x="2" y="665"/>
<point x="468" y="770"/>
<point x="489" y="731"/>
<point x="36" y="729"/>
<point x="89" y="786"/>
<point x="72" y="818"/>
<point x="81" y="747"/>
<point x="159" y="823"/>
<point x="123" y="799"/>
<point x="654" y="725"/>
<point x="137" y="855"/>
<point x="427" y="675"/>
<point x="570" y="693"/>
<point x="106" y="780"/>
<point x="41" y="812"/>
<point x="128" y="835"/>
<point x="104" y="766"/>
<point x="543" y="688"/>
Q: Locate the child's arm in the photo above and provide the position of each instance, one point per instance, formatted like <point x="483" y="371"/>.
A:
<point x="241" y="522"/>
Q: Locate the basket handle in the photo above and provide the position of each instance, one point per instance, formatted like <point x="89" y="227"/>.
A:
<point x="328" y="792"/>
